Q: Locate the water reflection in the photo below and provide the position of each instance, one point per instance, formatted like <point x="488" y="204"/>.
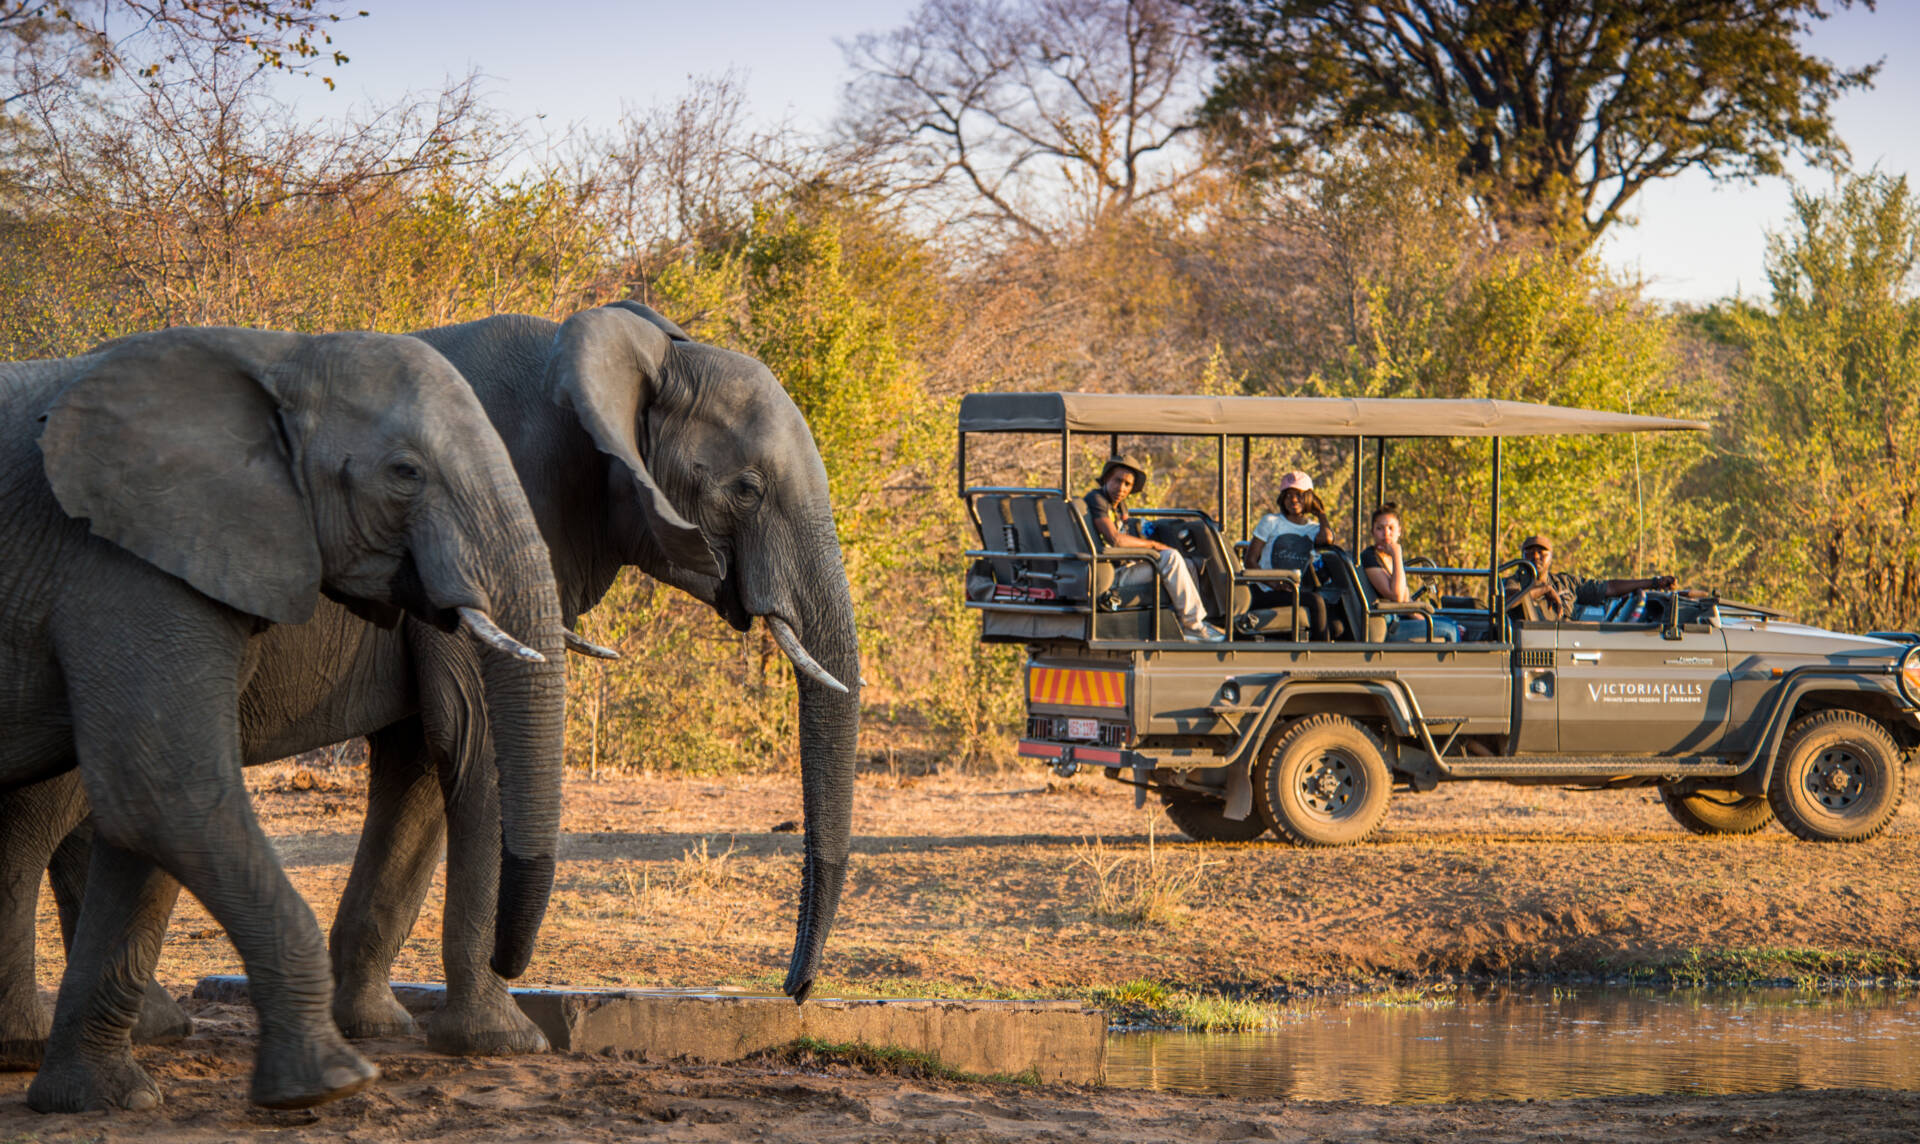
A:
<point x="1546" y="1044"/>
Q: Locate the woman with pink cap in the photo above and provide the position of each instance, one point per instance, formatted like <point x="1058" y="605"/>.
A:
<point x="1301" y="516"/>
<point x="1286" y="539"/>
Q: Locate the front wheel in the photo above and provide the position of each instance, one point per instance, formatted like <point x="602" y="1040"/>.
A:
<point x="1205" y="819"/>
<point x="1717" y="811"/>
<point x="1324" y="782"/>
<point x="1838" y="779"/>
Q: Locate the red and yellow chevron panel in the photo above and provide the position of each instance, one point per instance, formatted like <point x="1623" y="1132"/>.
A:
<point x="1076" y="688"/>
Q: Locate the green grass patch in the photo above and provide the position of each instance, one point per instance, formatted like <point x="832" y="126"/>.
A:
<point x="1806" y="967"/>
<point x="885" y="988"/>
<point x="812" y="1053"/>
<point x="1143" y="1002"/>
<point x="1431" y="996"/>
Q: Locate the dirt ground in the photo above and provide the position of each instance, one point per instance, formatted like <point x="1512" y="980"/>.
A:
<point x="1023" y="884"/>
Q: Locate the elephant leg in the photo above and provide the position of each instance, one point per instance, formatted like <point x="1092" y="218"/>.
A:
<point x="159" y="757"/>
<point x="301" y="1058"/>
<point x="392" y="870"/>
<point x="33" y="819"/>
<point x="162" y="1021"/>
<point x="116" y="941"/>
<point x="480" y="1017"/>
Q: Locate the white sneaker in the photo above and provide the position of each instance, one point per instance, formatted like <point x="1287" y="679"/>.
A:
<point x="1207" y="634"/>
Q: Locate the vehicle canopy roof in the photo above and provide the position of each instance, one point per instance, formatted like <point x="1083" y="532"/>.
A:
<point x="1184" y="414"/>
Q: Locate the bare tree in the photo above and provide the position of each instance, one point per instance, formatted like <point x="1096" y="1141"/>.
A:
<point x="200" y="196"/>
<point x="1050" y="118"/>
<point x="44" y="43"/>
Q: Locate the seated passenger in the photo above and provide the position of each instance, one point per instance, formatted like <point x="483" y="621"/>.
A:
<point x="1286" y="539"/>
<point x="1280" y="539"/>
<point x="1383" y="568"/>
<point x="1554" y="595"/>
<point x="1107" y="516"/>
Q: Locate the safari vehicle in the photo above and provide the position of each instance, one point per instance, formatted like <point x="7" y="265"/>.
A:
<point x="1736" y="714"/>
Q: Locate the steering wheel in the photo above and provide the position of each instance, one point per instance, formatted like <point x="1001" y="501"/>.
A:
<point x="1523" y="571"/>
<point x="1418" y="566"/>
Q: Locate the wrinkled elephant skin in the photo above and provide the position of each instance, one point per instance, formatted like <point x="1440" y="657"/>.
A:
<point x="174" y="500"/>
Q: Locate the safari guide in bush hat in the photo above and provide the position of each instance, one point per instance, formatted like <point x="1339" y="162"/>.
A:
<point x="1121" y="477"/>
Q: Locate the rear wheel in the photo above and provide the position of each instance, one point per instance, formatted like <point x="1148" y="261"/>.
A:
<point x="1717" y="811"/>
<point x="1838" y="778"/>
<point x="1205" y="819"/>
<point x="1323" y="782"/>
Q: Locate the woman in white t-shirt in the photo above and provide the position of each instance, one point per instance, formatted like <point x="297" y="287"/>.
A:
<point x="1292" y="532"/>
<point x="1301" y="514"/>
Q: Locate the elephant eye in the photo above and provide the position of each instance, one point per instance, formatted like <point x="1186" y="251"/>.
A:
<point x="405" y="471"/>
<point x="749" y="488"/>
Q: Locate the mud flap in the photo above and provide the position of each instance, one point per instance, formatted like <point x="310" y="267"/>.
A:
<point x="1239" y="792"/>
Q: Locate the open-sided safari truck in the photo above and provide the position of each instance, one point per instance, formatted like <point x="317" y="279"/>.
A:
<point x="1736" y="714"/>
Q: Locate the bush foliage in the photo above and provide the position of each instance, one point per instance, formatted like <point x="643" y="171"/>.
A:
<point x="1374" y="274"/>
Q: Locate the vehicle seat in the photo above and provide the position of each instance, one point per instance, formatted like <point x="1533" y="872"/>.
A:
<point x="1203" y="542"/>
<point x="997" y="536"/>
<point x="1069" y="535"/>
<point x="1366" y="619"/>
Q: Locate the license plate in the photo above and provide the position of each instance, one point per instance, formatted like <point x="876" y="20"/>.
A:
<point x="1083" y="728"/>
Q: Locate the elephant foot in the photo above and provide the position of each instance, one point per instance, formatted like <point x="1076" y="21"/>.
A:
<point x="371" y="1012"/>
<point x="293" y="1073"/>
<point x="25" y="1022"/>
<point x="485" y="1025"/>
<point x="76" y="1086"/>
<point x="162" y="1021"/>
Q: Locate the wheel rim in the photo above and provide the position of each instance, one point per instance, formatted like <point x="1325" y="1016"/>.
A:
<point x="1330" y="785"/>
<point x="1837" y="780"/>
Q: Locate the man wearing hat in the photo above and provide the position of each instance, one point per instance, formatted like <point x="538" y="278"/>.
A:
<point x="1554" y="595"/>
<point x="1107" y="514"/>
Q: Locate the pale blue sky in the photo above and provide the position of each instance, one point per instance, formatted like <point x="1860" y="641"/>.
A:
<point x="578" y="61"/>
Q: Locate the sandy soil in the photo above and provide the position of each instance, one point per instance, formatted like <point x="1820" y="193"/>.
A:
<point x="1021" y="884"/>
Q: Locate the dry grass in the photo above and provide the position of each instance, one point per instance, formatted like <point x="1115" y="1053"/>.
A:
<point x="1142" y="892"/>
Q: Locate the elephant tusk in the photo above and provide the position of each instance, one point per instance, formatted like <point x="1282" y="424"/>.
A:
<point x="802" y="662"/>
<point x="581" y="645"/>
<point x="481" y="627"/>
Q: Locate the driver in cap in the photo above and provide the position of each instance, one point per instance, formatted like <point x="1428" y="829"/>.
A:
<point x="1550" y="595"/>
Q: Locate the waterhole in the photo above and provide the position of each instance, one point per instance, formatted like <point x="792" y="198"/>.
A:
<point x="1545" y="1044"/>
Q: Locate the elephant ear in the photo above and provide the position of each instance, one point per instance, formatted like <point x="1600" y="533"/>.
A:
<point x="172" y="446"/>
<point x="667" y="326"/>
<point x="606" y="365"/>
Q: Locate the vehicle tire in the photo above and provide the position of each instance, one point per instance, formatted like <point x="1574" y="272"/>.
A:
<point x="1323" y="782"/>
<point x="1204" y="819"/>
<point x="1717" y="811"/>
<point x="1838" y="778"/>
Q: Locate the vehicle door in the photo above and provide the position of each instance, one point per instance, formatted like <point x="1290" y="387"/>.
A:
<point x="1629" y="689"/>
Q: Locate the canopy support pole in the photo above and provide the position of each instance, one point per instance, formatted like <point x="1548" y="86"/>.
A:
<point x="1359" y="483"/>
<point x="1246" y="489"/>
<point x="1499" y="616"/>
<point x="1380" y="471"/>
<point x="1222" y="470"/>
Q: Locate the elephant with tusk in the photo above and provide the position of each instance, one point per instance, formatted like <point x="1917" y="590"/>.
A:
<point x="176" y="503"/>
<point x="636" y="446"/>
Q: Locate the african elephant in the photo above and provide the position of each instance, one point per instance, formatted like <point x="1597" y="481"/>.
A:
<point x="730" y="503"/>
<point x="636" y="446"/>
<point x="192" y="493"/>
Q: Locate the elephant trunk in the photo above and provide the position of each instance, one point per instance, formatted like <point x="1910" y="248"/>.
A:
<point x="526" y="702"/>
<point x="829" y="728"/>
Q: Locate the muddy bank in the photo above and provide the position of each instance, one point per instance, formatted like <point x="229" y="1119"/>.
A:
<point x="423" y="1097"/>
<point x="1021" y="885"/>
